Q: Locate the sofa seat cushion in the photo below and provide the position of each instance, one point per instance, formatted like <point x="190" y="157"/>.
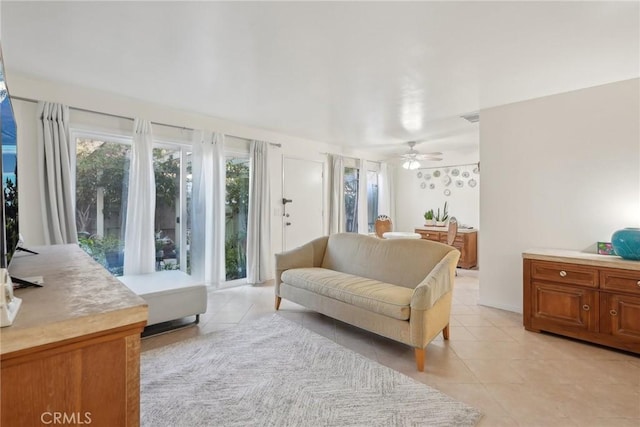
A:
<point x="373" y="295"/>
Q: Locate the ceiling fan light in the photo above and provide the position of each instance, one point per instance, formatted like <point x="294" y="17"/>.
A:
<point x="411" y="164"/>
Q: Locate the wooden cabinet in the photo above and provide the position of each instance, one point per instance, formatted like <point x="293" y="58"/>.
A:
<point x="72" y="355"/>
<point x="466" y="242"/>
<point x="591" y="297"/>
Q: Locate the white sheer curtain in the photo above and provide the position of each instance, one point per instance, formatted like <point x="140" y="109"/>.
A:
<point x="139" y="234"/>
<point x="386" y="195"/>
<point x="363" y="217"/>
<point x="208" y="211"/>
<point x="336" y="198"/>
<point x="58" y="212"/>
<point x="259" y="221"/>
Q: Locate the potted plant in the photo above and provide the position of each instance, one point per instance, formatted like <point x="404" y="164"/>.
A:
<point x="441" y="221"/>
<point x="428" y="218"/>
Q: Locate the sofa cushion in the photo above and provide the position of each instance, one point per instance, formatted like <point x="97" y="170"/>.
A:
<point x="402" y="262"/>
<point x="373" y="295"/>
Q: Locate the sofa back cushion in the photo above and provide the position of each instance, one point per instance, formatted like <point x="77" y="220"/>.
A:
<point x="403" y="262"/>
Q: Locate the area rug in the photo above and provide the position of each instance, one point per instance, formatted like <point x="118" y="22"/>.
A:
<point x="274" y="372"/>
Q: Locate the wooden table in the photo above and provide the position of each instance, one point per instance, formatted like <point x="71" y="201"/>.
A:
<point x="466" y="242"/>
<point x="73" y="351"/>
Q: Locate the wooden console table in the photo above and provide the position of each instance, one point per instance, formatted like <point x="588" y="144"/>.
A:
<point x="73" y="352"/>
<point x="466" y="242"/>
<point x="591" y="297"/>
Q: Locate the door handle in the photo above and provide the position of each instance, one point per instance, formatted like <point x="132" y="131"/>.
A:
<point x="287" y="223"/>
<point x="285" y="201"/>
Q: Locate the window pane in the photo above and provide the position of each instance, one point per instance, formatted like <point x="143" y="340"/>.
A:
<point x="166" y="165"/>
<point x="351" y="199"/>
<point x="101" y="172"/>
<point x="237" y="204"/>
<point x="372" y="199"/>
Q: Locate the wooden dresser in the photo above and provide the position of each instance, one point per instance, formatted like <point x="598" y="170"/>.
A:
<point x="466" y="242"/>
<point x="590" y="297"/>
<point x="72" y="355"/>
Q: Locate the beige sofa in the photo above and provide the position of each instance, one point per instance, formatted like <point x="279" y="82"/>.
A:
<point x="400" y="289"/>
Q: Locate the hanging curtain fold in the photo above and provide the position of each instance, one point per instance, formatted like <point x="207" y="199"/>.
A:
<point x="139" y="234"/>
<point x="259" y="221"/>
<point x="336" y="201"/>
<point x="363" y="217"/>
<point x="386" y="196"/>
<point x="208" y="210"/>
<point x="58" y="202"/>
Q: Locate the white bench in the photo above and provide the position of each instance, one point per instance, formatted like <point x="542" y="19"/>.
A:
<point x="170" y="294"/>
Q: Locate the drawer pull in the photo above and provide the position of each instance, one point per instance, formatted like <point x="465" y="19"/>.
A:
<point x="613" y="312"/>
<point x="638" y="283"/>
<point x="586" y="307"/>
<point x="563" y="273"/>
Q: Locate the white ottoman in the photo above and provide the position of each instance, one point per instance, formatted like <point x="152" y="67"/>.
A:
<point x="401" y="235"/>
<point x="170" y="294"/>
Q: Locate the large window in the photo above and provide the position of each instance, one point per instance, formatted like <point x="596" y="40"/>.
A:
<point x="372" y="199"/>
<point x="102" y="167"/>
<point x="237" y="206"/>
<point x="351" y="178"/>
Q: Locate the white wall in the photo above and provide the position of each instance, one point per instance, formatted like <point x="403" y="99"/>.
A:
<point x="561" y="171"/>
<point x="412" y="201"/>
<point x="29" y="194"/>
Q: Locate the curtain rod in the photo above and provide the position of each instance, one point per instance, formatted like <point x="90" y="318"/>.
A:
<point x="451" y="166"/>
<point x="20" y="98"/>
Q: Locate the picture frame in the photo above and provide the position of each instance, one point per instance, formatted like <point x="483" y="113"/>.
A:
<point x="605" y="248"/>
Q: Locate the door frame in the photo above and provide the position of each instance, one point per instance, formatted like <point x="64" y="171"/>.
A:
<point x="323" y="198"/>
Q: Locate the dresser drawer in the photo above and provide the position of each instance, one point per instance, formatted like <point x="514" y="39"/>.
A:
<point x="572" y="274"/>
<point x="430" y="235"/>
<point x="618" y="280"/>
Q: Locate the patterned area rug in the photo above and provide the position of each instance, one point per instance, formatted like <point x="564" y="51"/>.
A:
<point x="274" y="372"/>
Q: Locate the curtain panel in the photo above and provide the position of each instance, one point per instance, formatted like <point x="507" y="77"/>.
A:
<point x="259" y="221"/>
<point x="337" y="216"/>
<point x="363" y="208"/>
<point x="58" y="202"/>
<point x="208" y="210"/>
<point x="139" y="234"/>
<point x="386" y="196"/>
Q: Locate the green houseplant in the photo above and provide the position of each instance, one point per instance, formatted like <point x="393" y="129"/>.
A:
<point x="428" y="218"/>
<point x="441" y="221"/>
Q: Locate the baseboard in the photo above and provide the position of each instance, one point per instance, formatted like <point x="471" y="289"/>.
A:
<point x="501" y="306"/>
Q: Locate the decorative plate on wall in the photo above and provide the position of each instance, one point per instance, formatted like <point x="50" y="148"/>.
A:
<point x="465" y="174"/>
<point x="447" y="192"/>
<point x="436" y="173"/>
<point x="459" y="183"/>
<point x="455" y="172"/>
<point x="432" y="186"/>
<point x="472" y="183"/>
<point x="419" y="175"/>
<point x="446" y="180"/>
<point x="427" y="176"/>
<point x="423" y="185"/>
<point x="476" y="170"/>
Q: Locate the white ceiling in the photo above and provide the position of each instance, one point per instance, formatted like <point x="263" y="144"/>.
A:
<point x="358" y="74"/>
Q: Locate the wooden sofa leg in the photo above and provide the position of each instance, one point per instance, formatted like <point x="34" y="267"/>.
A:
<point x="445" y="332"/>
<point x="420" y="359"/>
<point x="278" y="299"/>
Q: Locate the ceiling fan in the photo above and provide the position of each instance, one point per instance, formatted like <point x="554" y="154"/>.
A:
<point x="411" y="159"/>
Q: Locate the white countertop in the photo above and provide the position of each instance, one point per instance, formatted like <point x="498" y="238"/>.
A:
<point x="577" y="257"/>
<point x="445" y="229"/>
<point x="79" y="297"/>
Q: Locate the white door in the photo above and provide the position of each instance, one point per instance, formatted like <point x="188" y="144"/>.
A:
<point x="303" y="197"/>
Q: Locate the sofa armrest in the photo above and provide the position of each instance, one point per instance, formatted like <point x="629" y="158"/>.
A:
<point x="437" y="283"/>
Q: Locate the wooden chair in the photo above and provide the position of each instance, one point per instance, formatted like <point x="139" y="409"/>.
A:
<point x="452" y="232"/>
<point x="383" y="225"/>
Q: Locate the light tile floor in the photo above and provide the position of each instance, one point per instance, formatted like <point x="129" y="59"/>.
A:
<point x="515" y="377"/>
